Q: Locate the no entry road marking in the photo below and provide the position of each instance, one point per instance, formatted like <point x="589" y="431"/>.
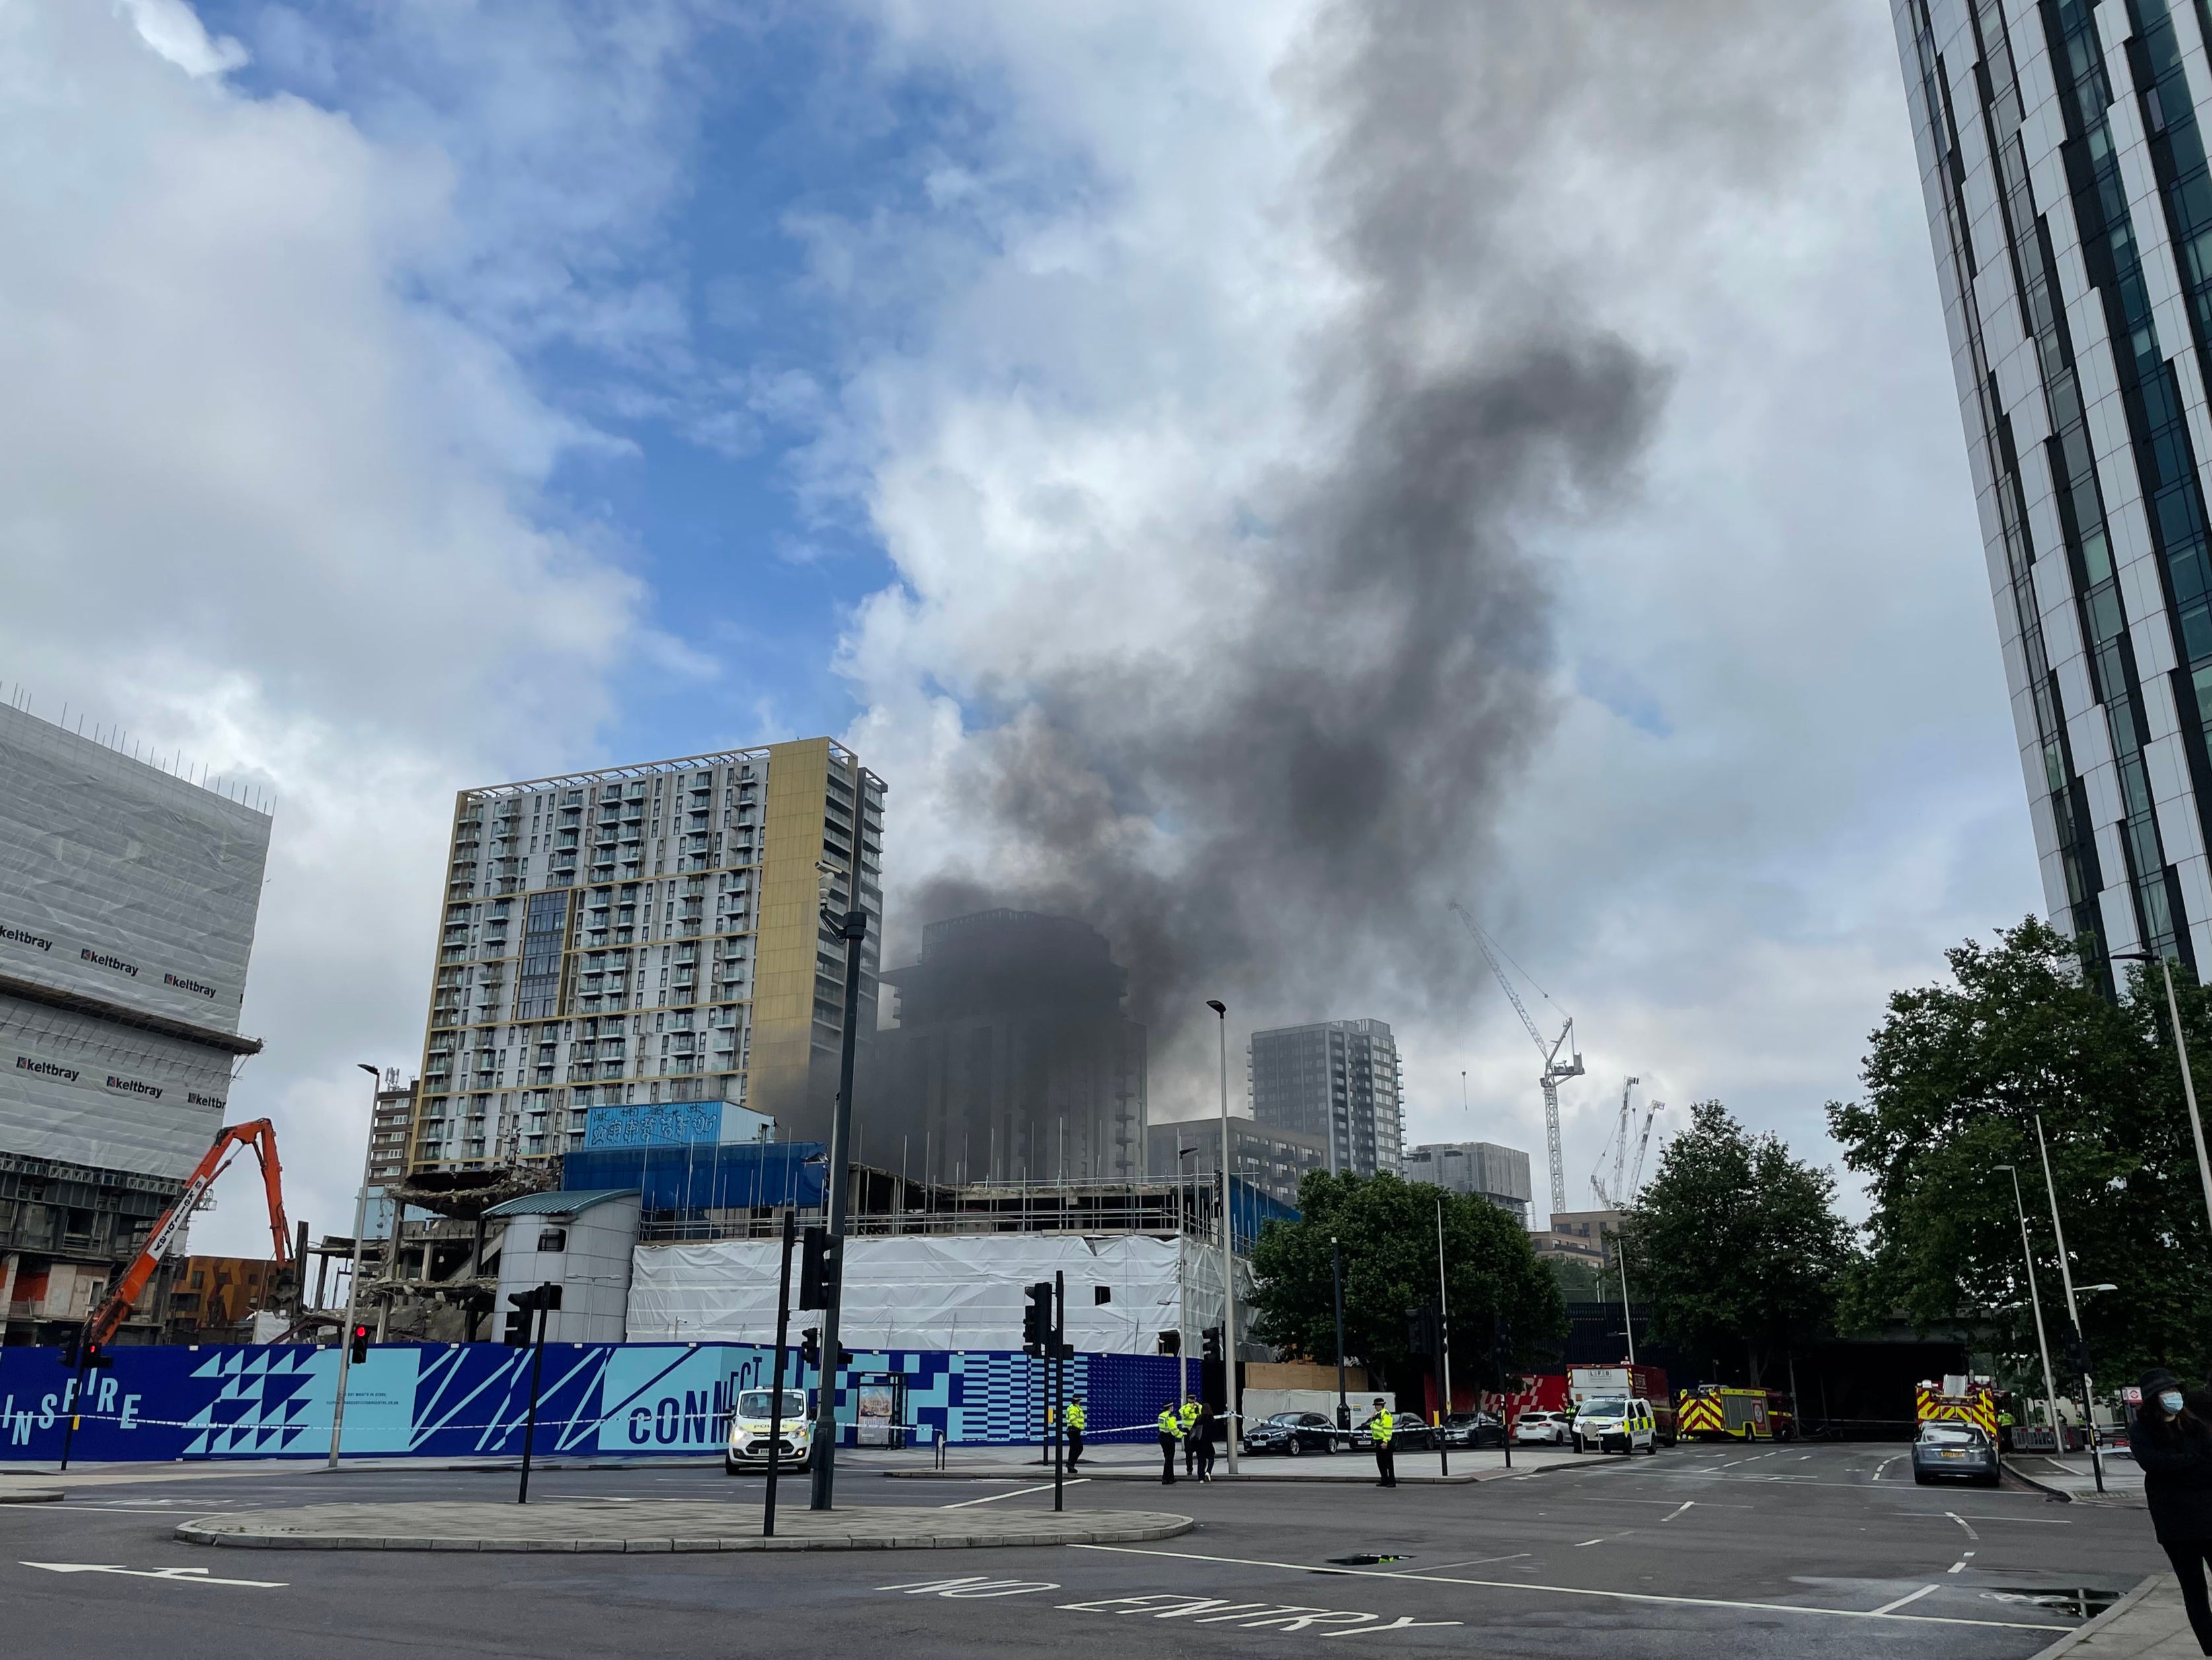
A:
<point x="1584" y="1591"/>
<point x="1272" y="1617"/>
<point x="180" y="1576"/>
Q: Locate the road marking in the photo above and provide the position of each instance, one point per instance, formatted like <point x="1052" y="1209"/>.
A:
<point x="181" y="1576"/>
<point x="1671" y="1515"/>
<point x="1474" y="1562"/>
<point x="1590" y="1541"/>
<point x="1888" y="1607"/>
<point x="1961" y="1521"/>
<point x="1583" y="1590"/>
<point x="2034" y="1521"/>
<point x="991" y="1499"/>
<point x="973" y="1585"/>
<point x="1959" y="1566"/>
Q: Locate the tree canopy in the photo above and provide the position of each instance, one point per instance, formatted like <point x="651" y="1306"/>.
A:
<point x="1953" y="1080"/>
<point x="1387" y="1228"/>
<point x="1734" y="1243"/>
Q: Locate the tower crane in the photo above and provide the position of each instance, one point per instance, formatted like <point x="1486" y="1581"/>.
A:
<point x="1642" y="1146"/>
<point x="1622" y="1192"/>
<point x="1553" y="1069"/>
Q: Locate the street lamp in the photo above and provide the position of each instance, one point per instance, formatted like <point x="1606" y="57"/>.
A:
<point x="1336" y="1293"/>
<point x="352" y="1279"/>
<point x="2042" y="1343"/>
<point x="1228" y="1256"/>
<point x="2188" y="1079"/>
<point x="2081" y="1351"/>
<point x="1183" y="1338"/>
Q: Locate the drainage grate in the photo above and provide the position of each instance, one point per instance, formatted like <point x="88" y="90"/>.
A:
<point x="2081" y="1602"/>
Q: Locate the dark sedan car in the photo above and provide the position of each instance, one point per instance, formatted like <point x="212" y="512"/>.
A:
<point x="1292" y="1432"/>
<point x="1954" y="1452"/>
<point x="1473" y="1429"/>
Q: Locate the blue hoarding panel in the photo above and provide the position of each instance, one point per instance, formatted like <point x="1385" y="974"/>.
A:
<point x="469" y="1401"/>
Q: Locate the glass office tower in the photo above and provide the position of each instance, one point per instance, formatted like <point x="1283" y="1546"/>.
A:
<point x="2061" y="147"/>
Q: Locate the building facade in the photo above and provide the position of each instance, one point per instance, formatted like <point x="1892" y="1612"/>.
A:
<point x="1012" y="1060"/>
<point x="646" y="935"/>
<point x="1498" y="1174"/>
<point x="2061" y="150"/>
<point x="1272" y="1160"/>
<point x="1579" y="1237"/>
<point x="1337" y="1080"/>
<point x="128" y="903"/>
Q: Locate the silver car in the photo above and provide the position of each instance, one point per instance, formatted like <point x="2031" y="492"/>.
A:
<point x="1948" y="1451"/>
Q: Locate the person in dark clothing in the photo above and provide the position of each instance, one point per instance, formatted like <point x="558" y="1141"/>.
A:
<point x="2173" y="1447"/>
<point x="1206" y="1420"/>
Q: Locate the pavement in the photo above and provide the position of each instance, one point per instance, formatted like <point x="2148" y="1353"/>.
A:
<point x="2149" y="1623"/>
<point x="1125" y="1463"/>
<point x="2072" y="1476"/>
<point x="666" y="1525"/>
<point x="1708" y="1553"/>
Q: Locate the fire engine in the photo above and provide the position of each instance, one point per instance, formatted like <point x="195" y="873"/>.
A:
<point x="1716" y="1412"/>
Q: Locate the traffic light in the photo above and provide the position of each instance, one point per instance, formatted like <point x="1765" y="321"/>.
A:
<point x="2077" y="1356"/>
<point x="1170" y="1342"/>
<point x="361" y="1343"/>
<point x="1424" y="1332"/>
<point x="814" y="1268"/>
<point x="96" y="1357"/>
<point x="68" y="1356"/>
<point x="525" y="1303"/>
<point x="1036" y="1319"/>
<point x="1209" y="1343"/>
<point x="810" y="1347"/>
<point x="518" y="1328"/>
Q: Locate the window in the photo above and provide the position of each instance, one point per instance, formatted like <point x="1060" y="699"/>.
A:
<point x="553" y="1239"/>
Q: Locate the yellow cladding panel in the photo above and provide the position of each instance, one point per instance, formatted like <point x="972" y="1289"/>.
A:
<point x="790" y="908"/>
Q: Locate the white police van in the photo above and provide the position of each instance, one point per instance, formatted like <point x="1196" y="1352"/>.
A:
<point x="1613" y="1423"/>
<point x="749" y="1431"/>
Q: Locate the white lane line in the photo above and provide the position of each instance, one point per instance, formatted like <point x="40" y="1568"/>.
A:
<point x="1587" y="1542"/>
<point x="1687" y="1503"/>
<point x="1961" y="1521"/>
<point x="1890" y="1607"/>
<point x="1959" y="1566"/>
<point x="992" y="1499"/>
<point x="1969" y="1515"/>
<point x="1473" y="1562"/>
<point x="176" y="1576"/>
<point x="1585" y="1590"/>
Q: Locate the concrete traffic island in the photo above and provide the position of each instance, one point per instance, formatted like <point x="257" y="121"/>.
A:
<point x="674" y="1524"/>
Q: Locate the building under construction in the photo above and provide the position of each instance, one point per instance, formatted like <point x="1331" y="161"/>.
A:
<point x="1011" y="1061"/>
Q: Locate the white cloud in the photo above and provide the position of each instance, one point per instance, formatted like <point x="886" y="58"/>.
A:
<point x="173" y="29"/>
<point x="260" y="502"/>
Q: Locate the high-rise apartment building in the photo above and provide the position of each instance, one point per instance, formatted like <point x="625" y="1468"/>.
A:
<point x="2061" y="148"/>
<point x="647" y="933"/>
<point x="1338" y="1080"/>
<point x="128" y="902"/>
<point x="1274" y="1160"/>
<point x="1498" y="1174"/>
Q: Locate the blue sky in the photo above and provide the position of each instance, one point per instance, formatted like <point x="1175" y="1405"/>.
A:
<point x="441" y="392"/>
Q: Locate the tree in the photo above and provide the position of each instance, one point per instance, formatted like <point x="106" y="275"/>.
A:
<point x="1954" y="1078"/>
<point x="1734" y="1242"/>
<point x="1388" y="1230"/>
<point x="1578" y="1281"/>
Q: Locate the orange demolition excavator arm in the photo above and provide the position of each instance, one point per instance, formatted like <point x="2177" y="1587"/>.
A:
<point x="261" y="1136"/>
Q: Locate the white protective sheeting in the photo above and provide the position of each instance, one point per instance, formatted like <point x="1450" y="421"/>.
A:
<point x="90" y="1091"/>
<point x="939" y="1292"/>
<point x="121" y="882"/>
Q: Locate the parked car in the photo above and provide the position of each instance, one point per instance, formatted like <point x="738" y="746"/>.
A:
<point x="1613" y="1423"/>
<point x="1542" y="1428"/>
<point x="1407" y="1433"/>
<point x="1473" y="1429"/>
<point x="1946" y="1450"/>
<point x="1291" y="1434"/>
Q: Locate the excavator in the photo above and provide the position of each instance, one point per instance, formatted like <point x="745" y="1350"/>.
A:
<point x="260" y="1135"/>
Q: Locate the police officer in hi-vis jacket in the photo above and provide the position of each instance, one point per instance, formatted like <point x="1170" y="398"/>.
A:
<point x="1379" y="1429"/>
<point x="1170" y="1433"/>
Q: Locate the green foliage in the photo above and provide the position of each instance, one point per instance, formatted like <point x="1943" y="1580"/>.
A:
<point x="1734" y="1242"/>
<point x="1578" y="1282"/>
<point x="1954" y="1078"/>
<point x="1388" y="1230"/>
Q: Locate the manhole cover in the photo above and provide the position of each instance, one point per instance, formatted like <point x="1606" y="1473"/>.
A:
<point x="1366" y="1560"/>
<point x="2081" y="1602"/>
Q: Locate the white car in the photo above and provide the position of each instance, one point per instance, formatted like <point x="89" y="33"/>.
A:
<point x="749" y="1431"/>
<point x="1540" y="1428"/>
<point x="1613" y="1423"/>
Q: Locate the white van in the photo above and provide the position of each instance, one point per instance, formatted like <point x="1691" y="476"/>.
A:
<point x="749" y="1428"/>
<point x="1615" y="1423"/>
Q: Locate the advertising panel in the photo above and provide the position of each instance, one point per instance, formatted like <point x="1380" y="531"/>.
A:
<point x="120" y="882"/>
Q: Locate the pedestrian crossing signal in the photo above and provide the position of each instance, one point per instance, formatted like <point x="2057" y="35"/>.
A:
<point x="359" y="1352"/>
